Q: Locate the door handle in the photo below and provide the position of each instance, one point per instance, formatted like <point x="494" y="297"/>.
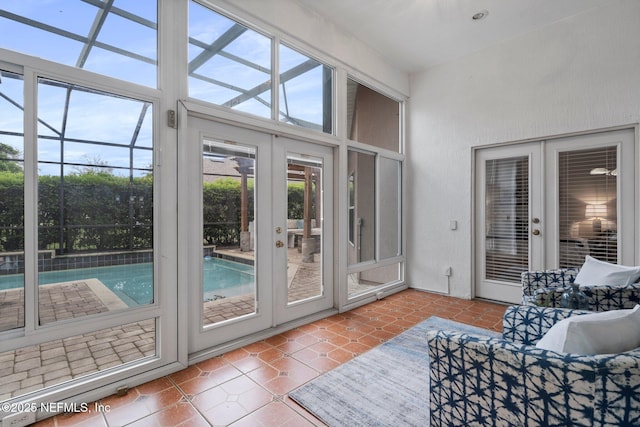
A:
<point x="536" y="232"/>
<point x="279" y="243"/>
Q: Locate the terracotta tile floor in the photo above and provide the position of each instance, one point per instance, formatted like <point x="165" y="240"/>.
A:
<point x="250" y="386"/>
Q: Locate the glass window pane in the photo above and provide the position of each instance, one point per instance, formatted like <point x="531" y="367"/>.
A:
<point x="11" y="202"/>
<point x="228" y="195"/>
<point x="362" y="169"/>
<point x="119" y="40"/>
<point x="95" y="203"/>
<point x="587" y="192"/>
<point x="372" y="118"/>
<point x="373" y="278"/>
<point x="305" y="91"/>
<point x="229" y="64"/>
<point x="389" y="196"/>
<point x="55" y="362"/>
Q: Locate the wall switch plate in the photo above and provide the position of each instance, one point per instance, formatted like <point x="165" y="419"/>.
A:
<point x="453" y="224"/>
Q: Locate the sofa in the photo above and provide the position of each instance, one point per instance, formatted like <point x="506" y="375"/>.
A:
<point x="483" y="381"/>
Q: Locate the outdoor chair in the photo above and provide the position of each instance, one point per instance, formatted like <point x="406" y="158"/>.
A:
<point x="483" y="381"/>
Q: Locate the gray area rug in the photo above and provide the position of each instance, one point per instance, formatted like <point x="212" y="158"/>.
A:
<point x="386" y="386"/>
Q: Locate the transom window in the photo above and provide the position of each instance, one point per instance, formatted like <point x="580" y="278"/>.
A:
<point x="230" y="66"/>
<point x="115" y="38"/>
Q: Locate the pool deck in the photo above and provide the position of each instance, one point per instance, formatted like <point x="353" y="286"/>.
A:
<point x="34" y="367"/>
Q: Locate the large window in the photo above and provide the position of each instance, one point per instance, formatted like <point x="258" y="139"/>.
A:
<point x="92" y="173"/>
<point x="230" y="66"/>
<point x="118" y="39"/>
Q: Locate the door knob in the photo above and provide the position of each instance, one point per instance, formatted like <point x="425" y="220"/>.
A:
<point x="536" y="232"/>
<point x="279" y="243"/>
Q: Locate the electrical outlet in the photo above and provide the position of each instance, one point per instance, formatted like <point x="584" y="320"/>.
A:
<point x="19" y="419"/>
<point x="447" y="271"/>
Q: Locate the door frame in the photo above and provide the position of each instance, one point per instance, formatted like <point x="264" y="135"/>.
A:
<point x="205" y="343"/>
<point x="549" y="145"/>
<point x="496" y="289"/>
<point x="283" y="311"/>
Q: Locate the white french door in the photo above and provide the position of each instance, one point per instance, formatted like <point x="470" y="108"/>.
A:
<point x="303" y="266"/>
<point x="257" y="236"/>
<point x="548" y="204"/>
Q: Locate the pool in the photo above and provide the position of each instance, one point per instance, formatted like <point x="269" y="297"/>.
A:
<point x="133" y="283"/>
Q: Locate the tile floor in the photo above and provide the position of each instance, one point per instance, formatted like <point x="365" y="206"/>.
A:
<point x="250" y="386"/>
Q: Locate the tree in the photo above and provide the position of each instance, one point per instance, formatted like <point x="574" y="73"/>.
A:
<point x="9" y="159"/>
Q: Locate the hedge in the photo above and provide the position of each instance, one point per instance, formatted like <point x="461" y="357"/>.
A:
<point x="92" y="212"/>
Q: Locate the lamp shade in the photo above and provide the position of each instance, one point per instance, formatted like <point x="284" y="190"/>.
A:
<point x="596" y="211"/>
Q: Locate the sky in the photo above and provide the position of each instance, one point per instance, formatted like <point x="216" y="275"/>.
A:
<point x="103" y="118"/>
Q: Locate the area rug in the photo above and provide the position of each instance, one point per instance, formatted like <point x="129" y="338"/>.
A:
<point x="386" y="386"/>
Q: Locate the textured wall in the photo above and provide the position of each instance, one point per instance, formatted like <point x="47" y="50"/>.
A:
<point x="579" y="74"/>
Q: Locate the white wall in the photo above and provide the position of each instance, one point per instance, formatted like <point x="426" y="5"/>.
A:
<point x="579" y="74"/>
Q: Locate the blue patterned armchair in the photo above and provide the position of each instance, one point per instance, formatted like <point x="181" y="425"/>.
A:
<point x="487" y="381"/>
<point x="545" y="288"/>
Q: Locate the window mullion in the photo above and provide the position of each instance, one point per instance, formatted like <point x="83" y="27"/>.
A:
<point x="30" y="201"/>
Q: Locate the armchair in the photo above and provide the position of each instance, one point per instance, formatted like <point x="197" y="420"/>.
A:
<point x="545" y="288"/>
<point x="480" y="381"/>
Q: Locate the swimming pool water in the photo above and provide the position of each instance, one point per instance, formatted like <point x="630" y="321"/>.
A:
<point x="133" y="283"/>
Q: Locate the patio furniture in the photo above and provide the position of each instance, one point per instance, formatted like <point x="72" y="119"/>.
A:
<point x="478" y="381"/>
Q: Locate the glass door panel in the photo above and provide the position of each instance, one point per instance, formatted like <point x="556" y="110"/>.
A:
<point x="587" y="195"/>
<point x="302" y="209"/>
<point x="506" y="218"/>
<point x="229" y="293"/>
<point x="304" y="228"/>
<point x="228" y="232"/>
<point x="509" y="225"/>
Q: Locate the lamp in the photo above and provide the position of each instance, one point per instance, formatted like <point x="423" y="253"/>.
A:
<point x="595" y="213"/>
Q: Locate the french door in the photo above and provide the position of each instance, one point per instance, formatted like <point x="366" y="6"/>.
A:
<point x="548" y="204"/>
<point x="257" y="217"/>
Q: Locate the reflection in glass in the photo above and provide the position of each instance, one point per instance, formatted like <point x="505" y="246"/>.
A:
<point x="372" y="118"/>
<point x="95" y="202"/>
<point x="305" y="91"/>
<point x="304" y="227"/>
<point x="228" y="200"/>
<point x="362" y="192"/>
<point x="11" y="202"/>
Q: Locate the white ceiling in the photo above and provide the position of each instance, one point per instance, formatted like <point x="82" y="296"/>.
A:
<point x="418" y="34"/>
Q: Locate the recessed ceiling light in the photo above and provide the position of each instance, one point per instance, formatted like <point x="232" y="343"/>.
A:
<point x="480" y="15"/>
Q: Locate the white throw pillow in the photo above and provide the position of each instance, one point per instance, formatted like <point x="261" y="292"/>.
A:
<point x="596" y="272"/>
<point x="607" y="332"/>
